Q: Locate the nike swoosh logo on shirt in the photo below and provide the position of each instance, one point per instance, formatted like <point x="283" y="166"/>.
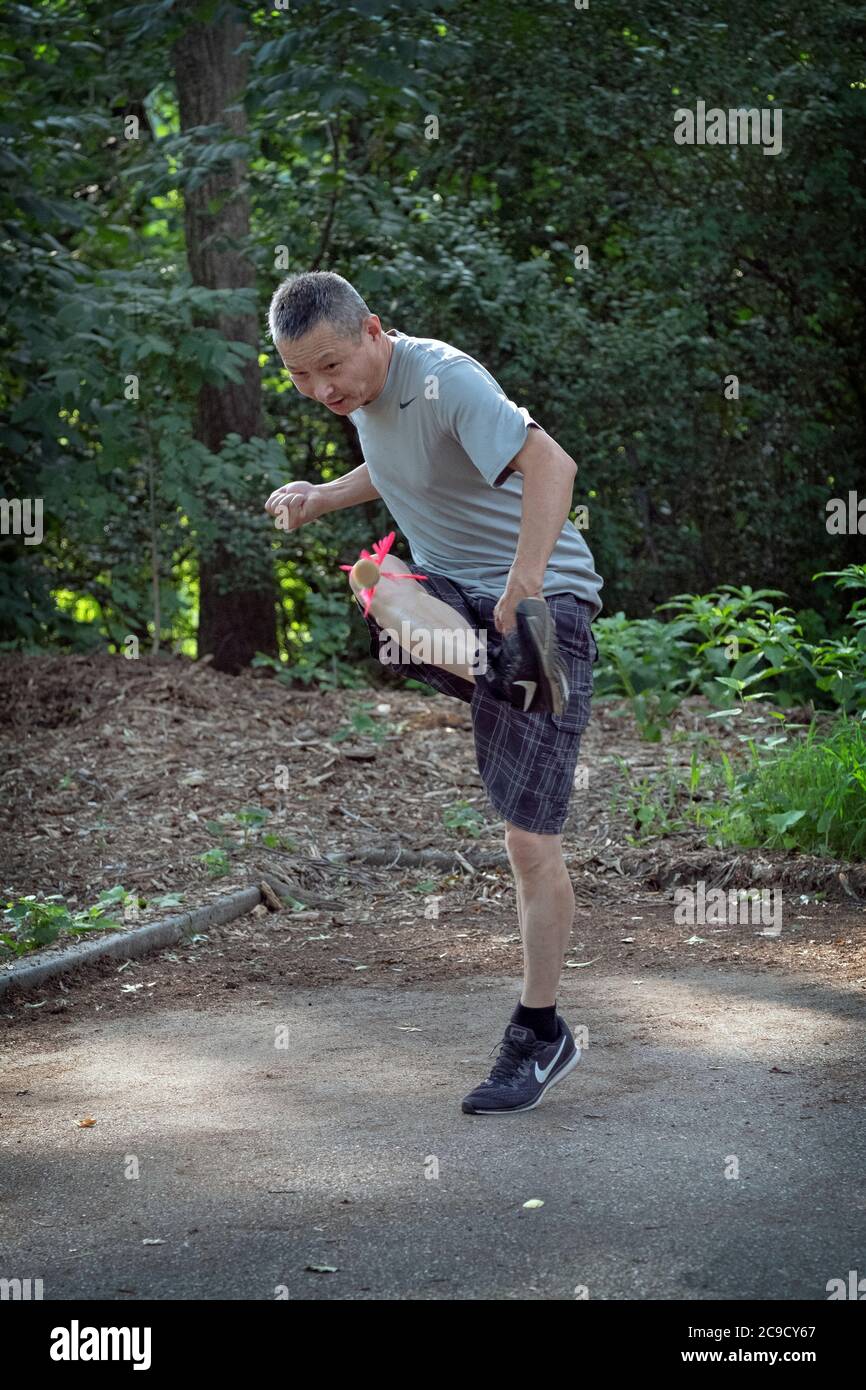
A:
<point x="543" y="1075"/>
<point x="403" y="404"/>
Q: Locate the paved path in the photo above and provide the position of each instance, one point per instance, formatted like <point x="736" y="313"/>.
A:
<point x="254" y="1161"/>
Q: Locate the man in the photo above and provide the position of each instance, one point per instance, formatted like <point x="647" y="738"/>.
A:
<point x="482" y="495"/>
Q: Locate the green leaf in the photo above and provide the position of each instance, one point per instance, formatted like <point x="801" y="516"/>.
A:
<point x="785" y="820"/>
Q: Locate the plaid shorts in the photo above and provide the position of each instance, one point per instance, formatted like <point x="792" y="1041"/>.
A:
<point x="526" y="761"/>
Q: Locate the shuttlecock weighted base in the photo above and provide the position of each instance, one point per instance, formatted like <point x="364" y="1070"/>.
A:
<point x="365" y="573"/>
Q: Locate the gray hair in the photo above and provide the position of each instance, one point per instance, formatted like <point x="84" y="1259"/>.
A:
<point x="316" y="296"/>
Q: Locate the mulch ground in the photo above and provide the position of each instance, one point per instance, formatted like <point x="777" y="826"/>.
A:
<point x="112" y="769"/>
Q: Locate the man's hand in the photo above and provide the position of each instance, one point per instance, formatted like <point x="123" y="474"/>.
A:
<point x="295" y="503"/>
<point x="520" y="585"/>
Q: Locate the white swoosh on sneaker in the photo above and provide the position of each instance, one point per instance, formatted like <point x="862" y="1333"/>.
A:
<point x="543" y="1075"/>
<point x="530" y="688"/>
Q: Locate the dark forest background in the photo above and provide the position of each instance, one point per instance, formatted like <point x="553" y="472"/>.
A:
<point x="164" y="165"/>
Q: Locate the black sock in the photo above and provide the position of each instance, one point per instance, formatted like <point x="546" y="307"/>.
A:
<point x="543" y="1022"/>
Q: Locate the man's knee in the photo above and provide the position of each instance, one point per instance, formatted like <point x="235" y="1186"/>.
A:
<point x="530" y="852"/>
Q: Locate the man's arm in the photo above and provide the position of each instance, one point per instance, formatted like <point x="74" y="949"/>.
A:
<point x="548" y="483"/>
<point x="348" y="491"/>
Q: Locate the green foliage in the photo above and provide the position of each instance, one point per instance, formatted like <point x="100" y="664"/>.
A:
<point x="810" y="797"/>
<point x="732" y="643"/>
<point x="361" y="724"/>
<point x="840" y="662"/>
<point x="272" y="841"/>
<point x="249" y="820"/>
<point x="651" y="803"/>
<point x="31" y="923"/>
<point x="461" y="816"/>
<point x="317" y="646"/>
<point x="168" y="900"/>
<point x="468" y="237"/>
<point x="649" y="662"/>
<point x="805" y="794"/>
<point x="216" y="861"/>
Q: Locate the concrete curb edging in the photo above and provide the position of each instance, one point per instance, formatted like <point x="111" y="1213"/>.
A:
<point x="132" y="944"/>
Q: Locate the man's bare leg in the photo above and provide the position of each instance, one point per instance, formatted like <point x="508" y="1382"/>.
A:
<point x="545" y="911"/>
<point x="396" y="601"/>
<point x="518" y="892"/>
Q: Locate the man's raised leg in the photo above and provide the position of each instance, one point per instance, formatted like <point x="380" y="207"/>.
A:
<point x="439" y="630"/>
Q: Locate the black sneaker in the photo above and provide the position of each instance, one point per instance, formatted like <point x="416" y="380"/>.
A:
<point x="528" y="671"/>
<point x="524" y="1071"/>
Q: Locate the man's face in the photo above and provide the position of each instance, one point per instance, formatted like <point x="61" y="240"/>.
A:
<point x="341" y="373"/>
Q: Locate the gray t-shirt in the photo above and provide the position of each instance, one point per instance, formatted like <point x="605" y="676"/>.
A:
<point x="437" y="442"/>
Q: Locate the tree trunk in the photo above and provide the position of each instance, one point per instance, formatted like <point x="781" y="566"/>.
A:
<point x="235" y="621"/>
